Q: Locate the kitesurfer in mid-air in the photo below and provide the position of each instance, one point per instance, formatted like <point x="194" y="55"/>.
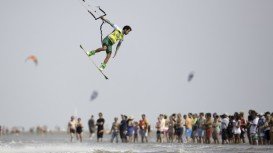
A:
<point x="116" y="36"/>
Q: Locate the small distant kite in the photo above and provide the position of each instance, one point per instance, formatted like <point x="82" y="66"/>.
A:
<point x="94" y="95"/>
<point x="33" y="59"/>
<point x="190" y="76"/>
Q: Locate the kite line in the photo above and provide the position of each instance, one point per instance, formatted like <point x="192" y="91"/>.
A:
<point x="95" y="11"/>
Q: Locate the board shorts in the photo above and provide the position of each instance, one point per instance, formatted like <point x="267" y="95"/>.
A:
<point x="200" y="132"/>
<point x="122" y="134"/>
<point x="99" y="134"/>
<point x="72" y="131"/>
<point x="208" y="133"/>
<point x="267" y="135"/>
<point x="179" y="132"/>
<point x="215" y="134"/>
<point x="188" y="132"/>
<point x="79" y="130"/>
<point x="143" y="133"/>
<point x="254" y="136"/>
<point x="158" y="134"/>
<point x="130" y="131"/>
<point x="115" y="135"/>
<point x="224" y="134"/>
<point x="242" y="135"/>
<point x="108" y="43"/>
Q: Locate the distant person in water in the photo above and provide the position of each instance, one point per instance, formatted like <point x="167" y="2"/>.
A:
<point x="115" y="130"/>
<point x="159" y="130"/>
<point x="100" y="127"/>
<point x="91" y="126"/>
<point x="79" y="130"/>
<point x="143" y="125"/>
<point x="136" y="128"/>
<point x="123" y="128"/>
<point x="130" y="129"/>
<point x="72" y="128"/>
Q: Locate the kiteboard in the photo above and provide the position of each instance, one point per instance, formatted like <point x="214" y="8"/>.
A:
<point x="94" y="63"/>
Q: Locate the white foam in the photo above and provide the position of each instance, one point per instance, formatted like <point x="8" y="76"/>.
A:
<point x="58" y="144"/>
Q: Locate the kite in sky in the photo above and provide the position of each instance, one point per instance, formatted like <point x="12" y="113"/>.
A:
<point x="94" y="95"/>
<point x="32" y="58"/>
<point x="190" y="76"/>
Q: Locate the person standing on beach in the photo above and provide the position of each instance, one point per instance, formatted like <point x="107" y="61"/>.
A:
<point x="208" y="128"/>
<point x="237" y="128"/>
<point x="166" y="128"/>
<point x="271" y="128"/>
<point x="123" y="128"/>
<point x="158" y="130"/>
<point x="200" y="127"/>
<point x="184" y="140"/>
<point x="230" y="129"/>
<point x="194" y="128"/>
<point x="100" y="127"/>
<point x="260" y="128"/>
<point x="216" y="129"/>
<point x="130" y="129"/>
<point x="143" y="124"/>
<point x="91" y="126"/>
<point x="243" y="126"/>
<point x="179" y="127"/>
<point x="115" y="130"/>
<point x="267" y="129"/>
<point x="253" y="128"/>
<point x="163" y="127"/>
<point x="171" y="128"/>
<point x="188" y="125"/>
<point x="79" y="130"/>
<point x="249" y="120"/>
<point x="224" y="125"/>
<point x="136" y="128"/>
<point x="72" y="127"/>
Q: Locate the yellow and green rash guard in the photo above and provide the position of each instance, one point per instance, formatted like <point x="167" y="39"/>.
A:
<point x="116" y="35"/>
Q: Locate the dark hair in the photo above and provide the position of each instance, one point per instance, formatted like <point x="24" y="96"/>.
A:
<point x="266" y="113"/>
<point x="208" y="114"/>
<point x="127" y="28"/>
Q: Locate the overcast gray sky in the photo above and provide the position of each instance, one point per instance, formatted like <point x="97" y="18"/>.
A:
<point x="227" y="43"/>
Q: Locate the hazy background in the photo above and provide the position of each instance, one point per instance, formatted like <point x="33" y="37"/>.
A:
<point x="228" y="44"/>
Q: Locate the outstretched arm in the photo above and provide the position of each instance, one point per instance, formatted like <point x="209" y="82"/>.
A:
<point x="107" y="21"/>
<point x="118" y="45"/>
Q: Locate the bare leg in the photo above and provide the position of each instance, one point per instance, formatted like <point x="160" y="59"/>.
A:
<point x="80" y="135"/>
<point x="107" y="57"/>
<point x="103" y="48"/>
<point x="71" y="137"/>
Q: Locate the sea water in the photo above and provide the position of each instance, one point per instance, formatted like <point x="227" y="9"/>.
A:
<point x="60" y="143"/>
